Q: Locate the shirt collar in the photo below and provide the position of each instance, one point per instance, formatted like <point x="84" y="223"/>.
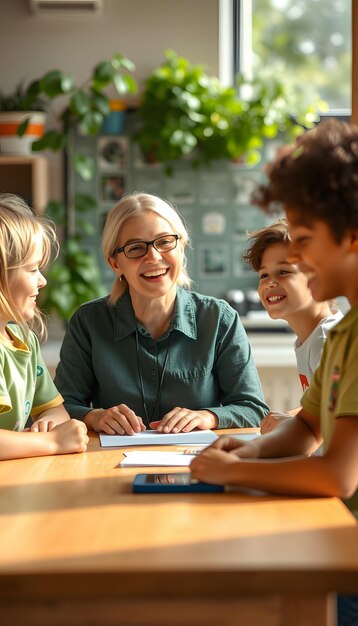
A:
<point x="184" y="315"/>
<point x="346" y="322"/>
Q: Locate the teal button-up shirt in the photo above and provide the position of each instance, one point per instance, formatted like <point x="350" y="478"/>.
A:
<point x="209" y="363"/>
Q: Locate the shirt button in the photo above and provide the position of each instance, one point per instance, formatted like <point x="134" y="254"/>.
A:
<point x="153" y="372"/>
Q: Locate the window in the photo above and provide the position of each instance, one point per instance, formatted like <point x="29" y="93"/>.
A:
<point x="308" y="42"/>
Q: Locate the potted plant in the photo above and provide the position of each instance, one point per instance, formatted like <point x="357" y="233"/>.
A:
<point x="74" y="277"/>
<point x="18" y="110"/>
<point x="184" y="111"/>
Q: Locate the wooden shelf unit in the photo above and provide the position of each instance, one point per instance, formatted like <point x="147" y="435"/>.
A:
<point x="26" y="176"/>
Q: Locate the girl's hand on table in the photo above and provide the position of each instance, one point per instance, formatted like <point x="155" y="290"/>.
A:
<point x="69" y="436"/>
<point x="117" y="420"/>
<point x="43" y="425"/>
<point x="184" y="420"/>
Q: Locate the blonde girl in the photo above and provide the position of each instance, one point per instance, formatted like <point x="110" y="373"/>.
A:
<point x="26" y="387"/>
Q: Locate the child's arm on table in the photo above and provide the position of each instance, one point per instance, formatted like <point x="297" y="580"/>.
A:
<point x="65" y="438"/>
<point x="49" y="419"/>
<point x="258" y="466"/>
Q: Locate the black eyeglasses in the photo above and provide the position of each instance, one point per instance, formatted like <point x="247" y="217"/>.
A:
<point x="140" y="248"/>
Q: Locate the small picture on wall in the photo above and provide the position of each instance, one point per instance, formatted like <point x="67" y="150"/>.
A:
<point x="244" y="184"/>
<point x="179" y="188"/>
<point x="240" y="267"/>
<point x="213" y="223"/>
<point x="246" y="220"/>
<point x="145" y="161"/>
<point x="113" y="152"/>
<point x="112" y="188"/>
<point x="214" y="187"/>
<point x="213" y="260"/>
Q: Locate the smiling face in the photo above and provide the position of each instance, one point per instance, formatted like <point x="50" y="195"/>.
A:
<point x="155" y="274"/>
<point x="331" y="267"/>
<point x="282" y="287"/>
<point x="26" y="281"/>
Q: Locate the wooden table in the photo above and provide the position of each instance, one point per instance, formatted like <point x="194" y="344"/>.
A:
<point x="77" y="547"/>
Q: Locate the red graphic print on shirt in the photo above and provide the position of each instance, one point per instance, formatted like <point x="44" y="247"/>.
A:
<point x="304" y="382"/>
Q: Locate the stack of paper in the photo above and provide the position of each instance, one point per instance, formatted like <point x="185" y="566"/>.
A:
<point x="153" y="438"/>
<point x="146" y="459"/>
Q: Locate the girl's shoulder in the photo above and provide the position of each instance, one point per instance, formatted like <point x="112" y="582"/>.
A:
<point x="22" y="339"/>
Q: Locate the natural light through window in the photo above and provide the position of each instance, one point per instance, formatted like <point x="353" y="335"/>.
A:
<point x="308" y="43"/>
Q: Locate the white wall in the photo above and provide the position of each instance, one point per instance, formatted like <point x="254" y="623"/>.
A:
<point x="142" y="30"/>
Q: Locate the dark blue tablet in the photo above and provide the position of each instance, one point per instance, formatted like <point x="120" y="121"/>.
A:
<point x="171" y="483"/>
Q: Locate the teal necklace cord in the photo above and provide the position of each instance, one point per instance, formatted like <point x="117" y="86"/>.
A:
<point x="159" y="392"/>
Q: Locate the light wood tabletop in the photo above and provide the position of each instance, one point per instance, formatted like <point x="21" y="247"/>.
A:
<point x="78" y="547"/>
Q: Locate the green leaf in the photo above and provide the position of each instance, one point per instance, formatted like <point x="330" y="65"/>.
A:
<point x="120" y="83"/>
<point x="119" y="61"/>
<point x="80" y="103"/>
<point x="56" y="211"/>
<point x="56" y="83"/>
<point x="84" y="166"/>
<point x="103" y="74"/>
<point x="21" y="130"/>
<point x="100" y="103"/>
<point x="131" y="83"/>
<point x="84" y="203"/>
<point x="51" y="140"/>
<point x="84" y="227"/>
<point x="91" y="123"/>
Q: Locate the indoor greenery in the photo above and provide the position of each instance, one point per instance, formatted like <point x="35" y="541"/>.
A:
<point x="74" y="277"/>
<point x="18" y="100"/>
<point x="186" y="112"/>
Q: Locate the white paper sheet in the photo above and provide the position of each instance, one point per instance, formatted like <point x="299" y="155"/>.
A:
<point x="153" y="438"/>
<point x="246" y="436"/>
<point x="149" y="458"/>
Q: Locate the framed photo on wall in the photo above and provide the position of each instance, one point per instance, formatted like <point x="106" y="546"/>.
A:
<point x="239" y="266"/>
<point x="112" y="187"/>
<point x="113" y="153"/>
<point x="244" y="183"/>
<point x="213" y="260"/>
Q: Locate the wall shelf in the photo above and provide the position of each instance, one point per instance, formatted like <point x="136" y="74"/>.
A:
<point x="26" y="176"/>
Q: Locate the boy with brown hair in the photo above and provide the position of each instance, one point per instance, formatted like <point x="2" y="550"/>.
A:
<point x="284" y="293"/>
<point x="316" y="181"/>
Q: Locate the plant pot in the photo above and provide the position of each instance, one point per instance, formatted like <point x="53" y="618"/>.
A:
<point x="113" y="124"/>
<point x="10" y="121"/>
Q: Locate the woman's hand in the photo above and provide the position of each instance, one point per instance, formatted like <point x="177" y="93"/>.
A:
<point x="118" y="420"/>
<point x="272" y="420"/>
<point x="184" y="420"/>
<point x="213" y="466"/>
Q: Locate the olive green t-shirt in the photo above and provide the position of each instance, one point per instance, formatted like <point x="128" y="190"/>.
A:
<point x="334" y="388"/>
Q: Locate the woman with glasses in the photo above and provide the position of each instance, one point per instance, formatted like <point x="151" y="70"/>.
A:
<point x="154" y="354"/>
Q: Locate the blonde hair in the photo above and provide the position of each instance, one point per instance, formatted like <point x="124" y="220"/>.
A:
<point x="19" y="228"/>
<point x="132" y="205"/>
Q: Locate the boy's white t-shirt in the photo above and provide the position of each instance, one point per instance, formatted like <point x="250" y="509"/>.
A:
<point x="308" y="353"/>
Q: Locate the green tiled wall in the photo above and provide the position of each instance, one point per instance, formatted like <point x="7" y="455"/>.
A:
<point x="213" y="201"/>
